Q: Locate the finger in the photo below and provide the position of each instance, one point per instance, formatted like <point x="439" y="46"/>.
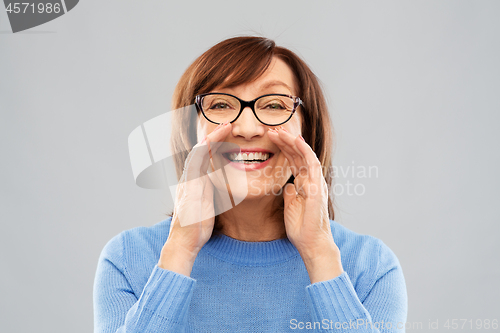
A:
<point x="289" y="139"/>
<point x="282" y="146"/>
<point x="196" y="163"/>
<point x="294" y="155"/>
<point x="311" y="159"/>
<point x="284" y="143"/>
<point x="214" y="141"/>
<point x="308" y="155"/>
<point x="208" y="196"/>
<point x="199" y="158"/>
<point x="289" y="194"/>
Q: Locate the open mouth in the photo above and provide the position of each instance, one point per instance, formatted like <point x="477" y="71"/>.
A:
<point x="248" y="157"/>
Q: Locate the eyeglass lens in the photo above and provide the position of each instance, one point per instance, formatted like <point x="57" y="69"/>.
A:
<point x="269" y="109"/>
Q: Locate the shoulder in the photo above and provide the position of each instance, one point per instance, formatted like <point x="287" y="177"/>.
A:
<point x="147" y="239"/>
<point x="139" y="238"/>
<point x="359" y="245"/>
<point x="136" y="251"/>
<point x="365" y="258"/>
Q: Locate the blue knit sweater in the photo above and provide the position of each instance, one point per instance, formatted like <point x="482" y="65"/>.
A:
<point x="238" y="286"/>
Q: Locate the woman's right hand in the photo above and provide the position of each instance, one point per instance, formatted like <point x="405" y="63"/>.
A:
<point x="193" y="220"/>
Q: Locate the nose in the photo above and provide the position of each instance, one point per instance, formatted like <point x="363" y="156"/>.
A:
<point x="247" y="125"/>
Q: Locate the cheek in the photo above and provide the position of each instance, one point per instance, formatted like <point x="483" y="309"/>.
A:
<point x="295" y="130"/>
<point x="295" y="125"/>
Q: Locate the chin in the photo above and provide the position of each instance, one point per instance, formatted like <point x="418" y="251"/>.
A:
<point x="247" y="184"/>
<point x="243" y="188"/>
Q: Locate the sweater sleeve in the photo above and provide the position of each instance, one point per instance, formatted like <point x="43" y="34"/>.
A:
<point x="336" y="306"/>
<point x="162" y="306"/>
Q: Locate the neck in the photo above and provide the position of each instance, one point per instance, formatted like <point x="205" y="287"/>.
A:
<point x="255" y="220"/>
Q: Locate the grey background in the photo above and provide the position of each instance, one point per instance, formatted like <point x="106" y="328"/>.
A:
<point x="413" y="88"/>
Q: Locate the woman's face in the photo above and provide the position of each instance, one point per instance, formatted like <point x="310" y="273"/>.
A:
<point x="254" y="180"/>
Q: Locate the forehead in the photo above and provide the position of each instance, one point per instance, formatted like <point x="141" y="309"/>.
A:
<point x="277" y="78"/>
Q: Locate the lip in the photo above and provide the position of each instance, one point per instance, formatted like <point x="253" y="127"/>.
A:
<point x="248" y="167"/>
<point x="248" y="150"/>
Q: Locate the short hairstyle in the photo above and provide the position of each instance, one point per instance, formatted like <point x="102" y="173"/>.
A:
<point x="241" y="60"/>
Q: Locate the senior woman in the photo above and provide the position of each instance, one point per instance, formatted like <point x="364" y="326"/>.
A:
<point x="271" y="260"/>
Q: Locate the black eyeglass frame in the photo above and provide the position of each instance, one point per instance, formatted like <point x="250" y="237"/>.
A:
<point x="243" y="104"/>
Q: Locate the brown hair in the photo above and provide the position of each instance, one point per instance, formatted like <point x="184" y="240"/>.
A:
<point x="240" y="60"/>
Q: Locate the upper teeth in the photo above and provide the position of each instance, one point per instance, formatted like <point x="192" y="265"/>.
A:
<point x="248" y="156"/>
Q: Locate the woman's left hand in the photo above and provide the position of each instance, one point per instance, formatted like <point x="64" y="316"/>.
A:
<point x="306" y="216"/>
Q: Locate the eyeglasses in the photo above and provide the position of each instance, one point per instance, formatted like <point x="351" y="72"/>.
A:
<point x="270" y="110"/>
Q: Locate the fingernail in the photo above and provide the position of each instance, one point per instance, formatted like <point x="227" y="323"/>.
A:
<point x="300" y="136"/>
<point x="284" y="129"/>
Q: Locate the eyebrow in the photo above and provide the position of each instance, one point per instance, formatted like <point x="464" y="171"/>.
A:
<point x="275" y="83"/>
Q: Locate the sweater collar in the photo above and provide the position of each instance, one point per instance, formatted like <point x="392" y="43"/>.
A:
<point x="250" y="253"/>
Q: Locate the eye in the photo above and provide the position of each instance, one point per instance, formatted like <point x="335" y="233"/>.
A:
<point x="220" y="106"/>
<point x="274" y="106"/>
<point x="220" y="103"/>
